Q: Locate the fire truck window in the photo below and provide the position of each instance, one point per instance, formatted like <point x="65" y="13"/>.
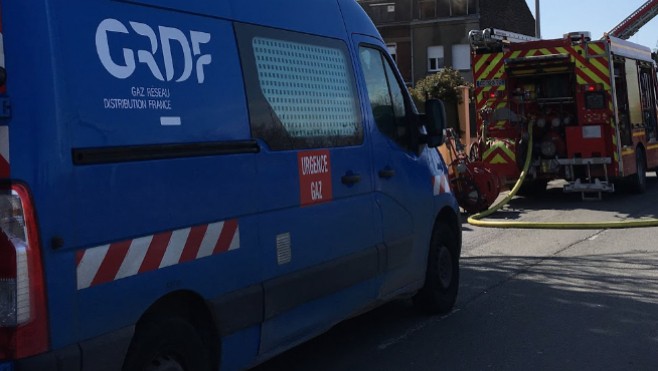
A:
<point x="385" y="95"/>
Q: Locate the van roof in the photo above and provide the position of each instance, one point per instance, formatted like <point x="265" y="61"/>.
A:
<point x="321" y="17"/>
<point x="316" y="16"/>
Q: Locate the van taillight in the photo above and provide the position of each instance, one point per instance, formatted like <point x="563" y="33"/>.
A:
<point x="23" y="324"/>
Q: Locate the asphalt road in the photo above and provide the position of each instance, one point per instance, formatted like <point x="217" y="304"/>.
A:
<point x="529" y="300"/>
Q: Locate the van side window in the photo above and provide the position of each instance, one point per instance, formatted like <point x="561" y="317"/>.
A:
<point x="300" y="88"/>
<point x="385" y="94"/>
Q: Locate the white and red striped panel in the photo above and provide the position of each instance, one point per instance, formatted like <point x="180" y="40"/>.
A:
<point x="440" y="184"/>
<point x="106" y="263"/>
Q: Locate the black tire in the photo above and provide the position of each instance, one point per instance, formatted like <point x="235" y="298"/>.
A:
<point x="439" y="292"/>
<point x="169" y="343"/>
<point x="639" y="179"/>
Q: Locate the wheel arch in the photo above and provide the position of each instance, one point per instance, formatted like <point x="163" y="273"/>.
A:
<point x="191" y="307"/>
<point x="436" y="296"/>
<point x="448" y="216"/>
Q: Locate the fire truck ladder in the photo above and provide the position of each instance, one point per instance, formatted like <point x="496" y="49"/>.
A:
<point x="629" y="26"/>
<point x="490" y="37"/>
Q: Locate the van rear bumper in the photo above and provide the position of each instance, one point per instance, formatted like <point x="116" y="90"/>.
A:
<point x="103" y="353"/>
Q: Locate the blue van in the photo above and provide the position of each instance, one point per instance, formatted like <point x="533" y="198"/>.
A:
<point x="200" y="185"/>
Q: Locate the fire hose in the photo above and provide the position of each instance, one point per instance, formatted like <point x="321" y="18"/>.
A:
<point x="476" y="219"/>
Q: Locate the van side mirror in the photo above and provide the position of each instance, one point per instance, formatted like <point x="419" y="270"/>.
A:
<point x="435" y="122"/>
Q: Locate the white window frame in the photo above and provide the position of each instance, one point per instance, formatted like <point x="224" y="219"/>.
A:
<point x="461" y="57"/>
<point x="435" y="54"/>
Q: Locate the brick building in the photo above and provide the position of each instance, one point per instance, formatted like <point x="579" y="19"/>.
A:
<point x="426" y="35"/>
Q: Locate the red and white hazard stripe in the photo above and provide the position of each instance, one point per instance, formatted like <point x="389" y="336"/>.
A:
<point x="440" y="184"/>
<point x="106" y="263"/>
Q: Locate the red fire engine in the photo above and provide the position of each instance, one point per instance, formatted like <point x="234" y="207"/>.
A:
<point x="592" y="103"/>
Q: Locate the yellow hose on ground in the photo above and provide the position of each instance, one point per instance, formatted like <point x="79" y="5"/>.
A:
<point x="476" y="219"/>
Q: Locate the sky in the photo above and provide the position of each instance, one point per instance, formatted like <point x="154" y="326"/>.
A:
<point x="561" y="16"/>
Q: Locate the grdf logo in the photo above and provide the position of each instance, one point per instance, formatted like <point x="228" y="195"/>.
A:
<point x="123" y="67"/>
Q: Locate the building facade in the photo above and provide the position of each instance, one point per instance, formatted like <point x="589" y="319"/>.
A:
<point x="424" y="36"/>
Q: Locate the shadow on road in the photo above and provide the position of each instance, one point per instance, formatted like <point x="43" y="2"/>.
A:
<point x="513" y="313"/>
<point x="621" y="205"/>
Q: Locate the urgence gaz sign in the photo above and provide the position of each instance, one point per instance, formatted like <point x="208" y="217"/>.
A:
<point x="314" y="177"/>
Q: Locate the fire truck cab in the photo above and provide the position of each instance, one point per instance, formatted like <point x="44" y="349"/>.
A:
<point x="591" y="103"/>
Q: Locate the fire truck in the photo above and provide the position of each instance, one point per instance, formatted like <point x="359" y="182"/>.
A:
<point x="592" y="105"/>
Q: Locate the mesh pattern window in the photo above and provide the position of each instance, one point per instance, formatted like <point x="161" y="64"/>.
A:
<point x="300" y="88"/>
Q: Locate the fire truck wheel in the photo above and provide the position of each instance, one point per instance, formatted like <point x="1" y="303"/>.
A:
<point x="439" y="292"/>
<point x="167" y="344"/>
<point x="639" y="179"/>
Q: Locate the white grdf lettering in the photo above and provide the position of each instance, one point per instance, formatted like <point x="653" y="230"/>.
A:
<point x="188" y="51"/>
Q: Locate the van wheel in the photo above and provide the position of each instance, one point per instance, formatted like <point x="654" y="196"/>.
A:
<point x="167" y="344"/>
<point x="639" y="179"/>
<point x="439" y="292"/>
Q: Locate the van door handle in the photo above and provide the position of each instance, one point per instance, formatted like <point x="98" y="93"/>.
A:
<point x="386" y="173"/>
<point x="350" y="178"/>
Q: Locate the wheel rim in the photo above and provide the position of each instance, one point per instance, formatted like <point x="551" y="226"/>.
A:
<point x="445" y="267"/>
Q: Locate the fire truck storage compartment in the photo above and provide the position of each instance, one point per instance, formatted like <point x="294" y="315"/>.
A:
<point x="541" y="89"/>
<point x="585" y="141"/>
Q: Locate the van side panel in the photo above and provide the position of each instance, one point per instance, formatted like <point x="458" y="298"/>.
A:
<point x="117" y="204"/>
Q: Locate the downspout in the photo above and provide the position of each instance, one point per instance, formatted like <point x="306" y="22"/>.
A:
<point x="537" y="20"/>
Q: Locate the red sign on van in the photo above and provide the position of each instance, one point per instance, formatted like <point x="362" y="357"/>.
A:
<point x="314" y="177"/>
